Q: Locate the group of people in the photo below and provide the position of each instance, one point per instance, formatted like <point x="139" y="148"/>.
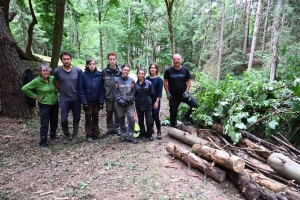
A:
<point x="70" y="88"/>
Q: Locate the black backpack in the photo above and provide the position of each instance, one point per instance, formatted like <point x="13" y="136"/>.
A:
<point x="27" y="78"/>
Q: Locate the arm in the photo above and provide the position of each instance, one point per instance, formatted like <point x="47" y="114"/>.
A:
<point x="27" y="89"/>
<point x="132" y="95"/>
<point x="116" y="91"/>
<point x="102" y="92"/>
<point x="166" y="86"/>
<point x="80" y="87"/>
<point x="188" y="85"/>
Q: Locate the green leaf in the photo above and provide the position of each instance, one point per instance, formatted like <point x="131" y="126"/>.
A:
<point x="273" y="124"/>
<point x="252" y="119"/>
<point x="240" y="125"/>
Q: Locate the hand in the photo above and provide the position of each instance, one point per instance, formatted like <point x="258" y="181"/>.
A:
<point x="155" y="106"/>
<point x="100" y="106"/>
<point x="169" y="96"/>
<point x="185" y="95"/>
<point x="85" y="107"/>
<point x="122" y="103"/>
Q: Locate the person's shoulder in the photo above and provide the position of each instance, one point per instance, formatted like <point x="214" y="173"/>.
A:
<point x="185" y="68"/>
<point x="58" y="69"/>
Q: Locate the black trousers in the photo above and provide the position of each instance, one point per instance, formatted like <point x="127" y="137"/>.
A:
<point x="148" y="115"/>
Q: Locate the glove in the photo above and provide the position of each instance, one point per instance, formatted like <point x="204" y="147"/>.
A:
<point x="122" y="103"/>
<point x="185" y="95"/>
<point x="85" y="107"/>
<point x="100" y="106"/>
<point x="169" y="96"/>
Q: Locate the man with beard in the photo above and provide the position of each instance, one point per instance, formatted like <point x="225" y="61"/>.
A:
<point x="66" y="78"/>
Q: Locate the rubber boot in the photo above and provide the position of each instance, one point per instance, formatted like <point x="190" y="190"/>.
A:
<point x="159" y="137"/>
<point x="67" y="134"/>
<point x="75" y="131"/>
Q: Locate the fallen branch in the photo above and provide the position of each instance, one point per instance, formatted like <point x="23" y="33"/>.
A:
<point x="287" y="145"/>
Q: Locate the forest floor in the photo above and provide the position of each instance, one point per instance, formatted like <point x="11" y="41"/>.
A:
<point x="104" y="169"/>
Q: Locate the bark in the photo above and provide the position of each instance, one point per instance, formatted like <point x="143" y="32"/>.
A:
<point x="223" y="158"/>
<point x="254" y="37"/>
<point x="261" y="150"/>
<point x="192" y="160"/>
<point x="250" y="189"/>
<point x="169" y="5"/>
<point x="246" y="34"/>
<point x="13" y="101"/>
<point x="58" y="32"/>
<point x="276" y="32"/>
<point x="263" y="45"/>
<point x="185" y="137"/>
<point x="221" y="43"/>
<point x="190" y="129"/>
<point x="100" y="4"/>
<point x="273" y="185"/>
<point x="285" y="166"/>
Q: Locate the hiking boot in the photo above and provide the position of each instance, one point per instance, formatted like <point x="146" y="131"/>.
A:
<point x="150" y="139"/>
<point x="144" y="138"/>
<point x="118" y="131"/>
<point x="133" y="140"/>
<point x="54" y="140"/>
<point x="108" y="132"/>
<point x="89" y="139"/>
<point x="97" y="137"/>
<point x="159" y="137"/>
<point x="123" y="138"/>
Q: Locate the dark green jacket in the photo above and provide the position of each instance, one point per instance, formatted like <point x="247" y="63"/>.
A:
<point x="46" y="91"/>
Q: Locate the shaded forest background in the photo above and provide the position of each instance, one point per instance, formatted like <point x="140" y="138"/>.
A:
<point x="226" y="42"/>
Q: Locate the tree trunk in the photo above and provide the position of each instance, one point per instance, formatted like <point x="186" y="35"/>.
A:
<point x="58" y="32"/>
<point x="263" y="44"/>
<point x="276" y="32"/>
<point x="223" y="158"/>
<point x="246" y="34"/>
<point x="169" y="5"/>
<point x="192" y="160"/>
<point x="13" y="101"/>
<point x="273" y="185"/>
<point x="186" y="137"/>
<point x="30" y="32"/>
<point x="99" y="5"/>
<point x="254" y="37"/>
<point x="221" y="43"/>
<point x="250" y="189"/>
<point x="128" y="38"/>
<point x="285" y="166"/>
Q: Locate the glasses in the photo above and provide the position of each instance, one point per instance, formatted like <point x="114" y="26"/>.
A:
<point x="44" y="70"/>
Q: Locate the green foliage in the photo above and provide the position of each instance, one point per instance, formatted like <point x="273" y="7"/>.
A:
<point x="248" y="103"/>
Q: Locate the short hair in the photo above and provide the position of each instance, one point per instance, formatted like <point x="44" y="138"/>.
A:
<point x="111" y="54"/>
<point x="65" y="54"/>
<point x="177" y="54"/>
<point x="140" y="69"/>
<point x="89" y="60"/>
<point x="48" y="68"/>
<point x="155" y="67"/>
<point x="125" y="65"/>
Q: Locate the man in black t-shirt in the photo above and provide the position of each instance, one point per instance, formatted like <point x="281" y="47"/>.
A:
<point x="177" y="83"/>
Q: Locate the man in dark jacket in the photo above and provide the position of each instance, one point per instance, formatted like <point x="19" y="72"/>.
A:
<point x="108" y="74"/>
<point x="124" y="91"/>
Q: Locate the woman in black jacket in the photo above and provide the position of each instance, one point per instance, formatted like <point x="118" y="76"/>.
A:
<point x="144" y="98"/>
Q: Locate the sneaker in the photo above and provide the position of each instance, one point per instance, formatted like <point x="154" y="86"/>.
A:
<point x="159" y="137"/>
<point x="150" y="138"/>
<point x="55" y="140"/>
<point x="89" y="139"/>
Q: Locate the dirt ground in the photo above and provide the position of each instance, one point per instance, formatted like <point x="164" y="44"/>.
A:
<point x="104" y="169"/>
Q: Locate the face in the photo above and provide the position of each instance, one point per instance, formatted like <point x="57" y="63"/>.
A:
<point x="91" y="66"/>
<point x="44" y="72"/>
<point x="125" y="71"/>
<point x="176" y="60"/>
<point x="112" y="60"/>
<point x="66" y="60"/>
<point x="153" y="70"/>
<point x="141" y="75"/>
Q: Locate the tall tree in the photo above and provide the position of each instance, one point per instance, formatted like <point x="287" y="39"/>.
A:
<point x="246" y="34"/>
<point x="221" y="42"/>
<point x="58" y="32"/>
<point x="254" y="37"/>
<point x="263" y="44"/>
<point x="30" y="32"/>
<point x="13" y="102"/>
<point x="169" y="5"/>
<point x="276" y="36"/>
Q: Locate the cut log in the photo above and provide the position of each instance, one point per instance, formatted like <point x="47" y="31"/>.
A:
<point x="260" y="149"/>
<point x="223" y="158"/>
<point x="185" y="137"/>
<point x="285" y="166"/>
<point x="250" y="189"/>
<point x="192" y="160"/>
<point x="273" y="185"/>
<point x="190" y="129"/>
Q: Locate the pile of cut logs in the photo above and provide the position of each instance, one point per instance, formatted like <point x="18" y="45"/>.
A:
<point x="260" y="169"/>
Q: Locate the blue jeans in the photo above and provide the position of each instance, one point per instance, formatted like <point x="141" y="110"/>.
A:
<point x="65" y="107"/>
<point x="48" y="113"/>
<point x="174" y="104"/>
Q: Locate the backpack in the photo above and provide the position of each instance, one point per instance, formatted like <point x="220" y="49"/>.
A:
<point x="27" y="78"/>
